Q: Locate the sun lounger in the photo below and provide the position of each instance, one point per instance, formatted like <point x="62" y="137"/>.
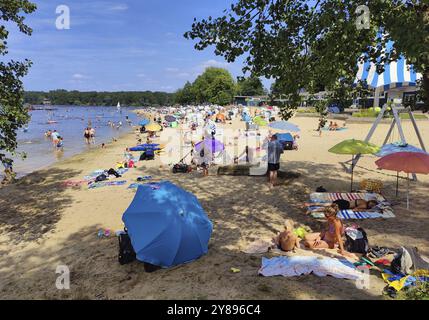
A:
<point x="385" y="211"/>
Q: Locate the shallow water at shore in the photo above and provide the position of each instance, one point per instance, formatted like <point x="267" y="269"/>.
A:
<point x="70" y="122"/>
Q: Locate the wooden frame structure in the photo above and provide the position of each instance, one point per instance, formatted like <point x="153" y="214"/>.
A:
<point x="396" y="110"/>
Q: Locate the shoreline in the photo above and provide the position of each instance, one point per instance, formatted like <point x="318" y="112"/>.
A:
<point x="70" y="157"/>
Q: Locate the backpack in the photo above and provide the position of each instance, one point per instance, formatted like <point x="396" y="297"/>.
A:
<point x="357" y="245"/>
<point x="126" y="251"/>
<point x="321" y="189"/>
<point x="407" y="261"/>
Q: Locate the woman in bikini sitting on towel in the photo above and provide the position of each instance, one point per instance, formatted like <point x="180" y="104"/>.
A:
<point x="355" y="205"/>
<point x="332" y="236"/>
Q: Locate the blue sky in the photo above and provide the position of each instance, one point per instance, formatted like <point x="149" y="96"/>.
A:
<point x="129" y="45"/>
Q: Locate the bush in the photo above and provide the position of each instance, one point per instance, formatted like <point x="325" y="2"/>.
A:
<point x="366" y="113"/>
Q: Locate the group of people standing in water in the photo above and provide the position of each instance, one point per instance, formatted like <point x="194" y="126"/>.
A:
<point x="56" y="138"/>
<point x="89" y="135"/>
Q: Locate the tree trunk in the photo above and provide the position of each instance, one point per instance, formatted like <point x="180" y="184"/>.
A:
<point x="425" y="89"/>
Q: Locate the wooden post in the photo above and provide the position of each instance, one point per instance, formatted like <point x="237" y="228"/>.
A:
<point x="392" y="126"/>
<point x="416" y="128"/>
<point x="371" y="133"/>
<point x="398" y="123"/>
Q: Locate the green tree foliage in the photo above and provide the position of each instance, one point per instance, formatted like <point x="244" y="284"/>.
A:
<point x="185" y="95"/>
<point x="215" y="86"/>
<point x="13" y="114"/>
<point x="251" y="86"/>
<point x="305" y="44"/>
<point x="133" y="98"/>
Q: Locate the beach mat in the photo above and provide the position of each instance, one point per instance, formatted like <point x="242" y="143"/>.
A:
<point x="102" y="184"/>
<point x="339" y="129"/>
<point x="237" y="170"/>
<point x="385" y="211"/>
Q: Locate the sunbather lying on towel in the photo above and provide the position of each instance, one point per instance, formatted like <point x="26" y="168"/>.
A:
<point x="356" y="205"/>
<point x="287" y="240"/>
<point x="332" y="236"/>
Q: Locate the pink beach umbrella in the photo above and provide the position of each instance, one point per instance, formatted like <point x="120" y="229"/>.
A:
<point x="408" y="162"/>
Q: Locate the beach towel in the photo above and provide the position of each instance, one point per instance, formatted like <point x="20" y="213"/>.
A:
<point x="400" y="281"/>
<point x="304" y="265"/>
<point x="384" y="210"/>
<point x="106" y="184"/>
<point x="339" y="129"/>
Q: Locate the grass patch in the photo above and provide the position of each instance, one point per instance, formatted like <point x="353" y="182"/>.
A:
<point x="306" y="110"/>
<point x="368" y="113"/>
<point x="419" y="292"/>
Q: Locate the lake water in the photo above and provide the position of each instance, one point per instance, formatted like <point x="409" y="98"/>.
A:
<point x="71" y="122"/>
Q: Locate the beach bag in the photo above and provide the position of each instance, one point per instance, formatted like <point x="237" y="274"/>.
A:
<point x="321" y="189"/>
<point x="357" y="245"/>
<point x="126" y="250"/>
<point x="150" y="154"/>
<point x="180" y="168"/>
<point x="407" y="261"/>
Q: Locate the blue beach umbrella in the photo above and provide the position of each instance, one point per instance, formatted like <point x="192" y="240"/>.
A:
<point x="284" y="125"/>
<point x="144" y="147"/>
<point x="144" y="122"/>
<point x="167" y="225"/>
<point x="397" y="147"/>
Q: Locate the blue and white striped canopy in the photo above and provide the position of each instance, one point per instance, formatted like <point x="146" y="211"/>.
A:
<point x="396" y="74"/>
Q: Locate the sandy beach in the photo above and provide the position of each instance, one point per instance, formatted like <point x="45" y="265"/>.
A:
<point x="44" y="224"/>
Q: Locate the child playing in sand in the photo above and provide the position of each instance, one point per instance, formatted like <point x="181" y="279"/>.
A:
<point x="332" y="236"/>
<point x="287" y="240"/>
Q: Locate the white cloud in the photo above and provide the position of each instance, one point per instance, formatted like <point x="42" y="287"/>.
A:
<point x="78" y="76"/>
<point x="172" y="70"/>
<point x="214" y="63"/>
<point x="141" y="75"/>
<point x="119" y="7"/>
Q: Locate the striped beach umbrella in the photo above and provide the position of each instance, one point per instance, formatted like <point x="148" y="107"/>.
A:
<point x="396" y="74"/>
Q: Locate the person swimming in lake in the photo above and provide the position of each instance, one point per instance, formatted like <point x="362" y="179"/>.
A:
<point x="330" y="238"/>
<point x="355" y="205"/>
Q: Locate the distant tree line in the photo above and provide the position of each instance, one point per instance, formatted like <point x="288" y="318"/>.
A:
<point x="217" y="86"/>
<point x="130" y="98"/>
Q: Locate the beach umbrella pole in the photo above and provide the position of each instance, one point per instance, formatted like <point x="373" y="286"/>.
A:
<point x="351" y="185"/>
<point x="397" y="184"/>
<point x="408" y="192"/>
